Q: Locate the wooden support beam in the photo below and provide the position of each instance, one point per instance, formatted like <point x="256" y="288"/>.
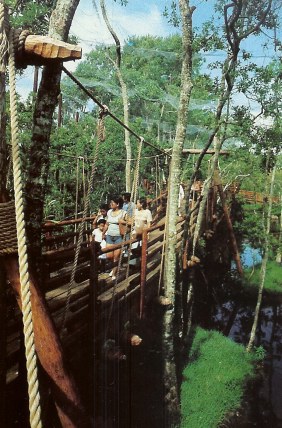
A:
<point x="49" y="224"/>
<point x="235" y="250"/>
<point x="3" y="338"/>
<point x="94" y="326"/>
<point x="50" y="353"/>
<point x="199" y="151"/>
<point x="208" y="152"/>
<point x="36" y="46"/>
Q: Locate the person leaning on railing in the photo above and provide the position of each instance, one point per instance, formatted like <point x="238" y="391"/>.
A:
<point x="143" y="216"/>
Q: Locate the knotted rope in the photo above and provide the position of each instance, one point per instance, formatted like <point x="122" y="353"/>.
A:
<point x="100" y="138"/>
<point x="31" y="359"/>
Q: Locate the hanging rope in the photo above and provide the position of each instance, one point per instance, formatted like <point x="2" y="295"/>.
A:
<point x="134" y="193"/>
<point x="31" y="360"/>
<point x="100" y="137"/>
<point x="4" y="30"/>
<point x="134" y="198"/>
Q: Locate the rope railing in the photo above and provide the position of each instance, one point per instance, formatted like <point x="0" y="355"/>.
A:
<point x="101" y="119"/>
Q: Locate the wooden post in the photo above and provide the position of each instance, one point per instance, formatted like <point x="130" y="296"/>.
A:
<point x="2" y="342"/>
<point x="93" y="323"/>
<point x="49" y="350"/>
<point x="234" y="246"/>
<point x="143" y="270"/>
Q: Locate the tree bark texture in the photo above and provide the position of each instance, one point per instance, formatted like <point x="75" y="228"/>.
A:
<point x="117" y="65"/>
<point x="172" y="410"/>
<point x="46" y="102"/>
<point x="126" y="132"/>
<point x="236" y="30"/>
<point x="176" y="158"/>
<point x="279" y="252"/>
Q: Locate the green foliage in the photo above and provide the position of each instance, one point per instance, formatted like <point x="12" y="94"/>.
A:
<point x="72" y="151"/>
<point x="32" y="15"/>
<point x="252" y="227"/>
<point x="151" y="68"/>
<point x="259" y="353"/>
<point x="273" y="278"/>
<point x="214" y="380"/>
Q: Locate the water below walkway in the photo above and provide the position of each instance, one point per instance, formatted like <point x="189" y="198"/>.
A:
<point x="268" y="395"/>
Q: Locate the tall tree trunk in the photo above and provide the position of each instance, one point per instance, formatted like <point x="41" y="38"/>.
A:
<point x="46" y="102"/>
<point x="264" y="263"/>
<point x="279" y="252"/>
<point x="172" y="410"/>
<point x="124" y="94"/>
<point x="236" y="30"/>
<point x="67" y="400"/>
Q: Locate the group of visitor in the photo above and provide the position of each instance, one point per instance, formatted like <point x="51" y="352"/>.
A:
<point x="122" y="217"/>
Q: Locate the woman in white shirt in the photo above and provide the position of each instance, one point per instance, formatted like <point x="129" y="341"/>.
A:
<point x="113" y="236"/>
<point x="143" y="216"/>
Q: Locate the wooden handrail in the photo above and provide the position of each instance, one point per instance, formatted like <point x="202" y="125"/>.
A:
<point x="50" y="224"/>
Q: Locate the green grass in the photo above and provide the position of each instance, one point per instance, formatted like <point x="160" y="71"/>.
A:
<point x="214" y="379"/>
<point x="273" y="278"/>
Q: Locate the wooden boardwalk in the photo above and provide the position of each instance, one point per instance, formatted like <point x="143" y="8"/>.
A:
<point x="141" y="284"/>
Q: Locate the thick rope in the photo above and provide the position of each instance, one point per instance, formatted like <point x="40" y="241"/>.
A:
<point x="8" y="229"/>
<point x="4" y="28"/>
<point x="85" y="210"/>
<point x="31" y="359"/>
<point x="96" y="101"/>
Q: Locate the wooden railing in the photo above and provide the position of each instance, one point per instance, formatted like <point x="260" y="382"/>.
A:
<point x="134" y="291"/>
<point x="255" y="197"/>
